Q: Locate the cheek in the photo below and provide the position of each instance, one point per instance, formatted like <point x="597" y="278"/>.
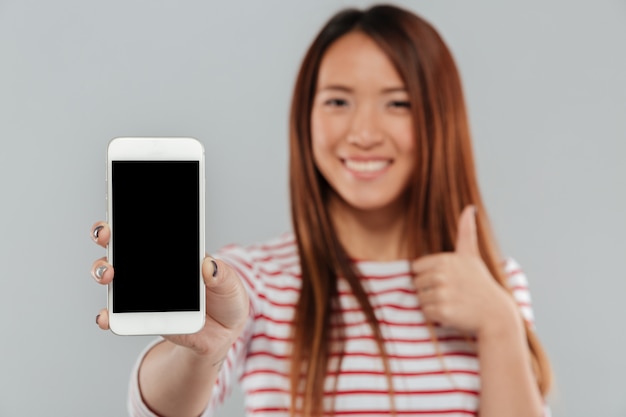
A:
<point x="324" y="135"/>
<point x="404" y="137"/>
<point x="319" y="140"/>
<point x="318" y="154"/>
<point x="328" y="128"/>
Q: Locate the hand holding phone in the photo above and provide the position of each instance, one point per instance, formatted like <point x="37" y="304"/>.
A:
<point x="227" y="311"/>
<point x="226" y="301"/>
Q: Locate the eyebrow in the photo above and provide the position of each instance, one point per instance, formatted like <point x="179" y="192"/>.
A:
<point x="343" y="88"/>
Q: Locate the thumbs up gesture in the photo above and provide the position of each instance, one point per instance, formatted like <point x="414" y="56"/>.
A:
<point x="456" y="289"/>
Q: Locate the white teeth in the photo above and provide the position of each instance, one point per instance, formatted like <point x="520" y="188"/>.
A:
<point x="366" y="166"/>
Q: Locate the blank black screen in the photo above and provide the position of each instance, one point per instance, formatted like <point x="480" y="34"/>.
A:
<point x="156" y="236"/>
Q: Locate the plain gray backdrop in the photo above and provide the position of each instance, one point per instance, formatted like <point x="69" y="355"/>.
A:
<point x="546" y="89"/>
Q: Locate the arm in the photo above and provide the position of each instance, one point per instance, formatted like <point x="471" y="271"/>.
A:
<point x="176" y="377"/>
<point x="174" y="380"/>
<point x="508" y="386"/>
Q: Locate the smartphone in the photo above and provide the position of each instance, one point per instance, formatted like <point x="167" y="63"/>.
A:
<point x="155" y="209"/>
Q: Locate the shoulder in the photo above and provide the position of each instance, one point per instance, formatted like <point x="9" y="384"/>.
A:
<point x="271" y="261"/>
<point x="280" y="251"/>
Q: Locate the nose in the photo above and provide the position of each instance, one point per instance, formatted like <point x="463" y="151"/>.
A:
<point x="365" y="131"/>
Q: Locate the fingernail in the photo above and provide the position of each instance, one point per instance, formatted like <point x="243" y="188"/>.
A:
<point x="97" y="317"/>
<point x="100" y="272"/>
<point x="214" y="267"/>
<point x="96" y="231"/>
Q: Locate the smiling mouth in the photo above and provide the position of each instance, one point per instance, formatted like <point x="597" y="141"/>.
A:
<point x="366" y="167"/>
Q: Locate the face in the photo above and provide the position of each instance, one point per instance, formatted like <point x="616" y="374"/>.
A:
<point x="361" y="125"/>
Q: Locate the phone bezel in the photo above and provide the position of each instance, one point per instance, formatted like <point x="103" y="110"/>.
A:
<point x="156" y="149"/>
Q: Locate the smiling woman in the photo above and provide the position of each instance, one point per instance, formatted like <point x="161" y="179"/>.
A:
<point x="381" y="85"/>
<point x="390" y="296"/>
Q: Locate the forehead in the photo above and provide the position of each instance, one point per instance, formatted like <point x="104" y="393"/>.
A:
<point x="355" y="59"/>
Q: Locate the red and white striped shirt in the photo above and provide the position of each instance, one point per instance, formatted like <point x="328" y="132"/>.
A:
<point x="428" y="381"/>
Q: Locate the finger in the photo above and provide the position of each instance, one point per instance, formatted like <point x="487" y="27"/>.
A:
<point x="101" y="233"/>
<point x="467" y="238"/>
<point x="427" y="297"/>
<point x="432" y="313"/>
<point x="431" y="295"/>
<point x="102" y="271"/>
<point x="428" y="280"/>
<point x="427" y="263"/>
<point x="102" y="319"/>
<point x="226" y="298"/>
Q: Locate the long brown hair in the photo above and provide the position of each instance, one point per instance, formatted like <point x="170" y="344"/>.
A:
<point x="442" y="185"/>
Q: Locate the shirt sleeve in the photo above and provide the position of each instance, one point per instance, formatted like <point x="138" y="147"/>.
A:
<point x="518" y="284"/>
<point x="234" y="364"/>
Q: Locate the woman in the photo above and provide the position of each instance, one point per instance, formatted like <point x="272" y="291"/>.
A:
<point x="390" y="295"/>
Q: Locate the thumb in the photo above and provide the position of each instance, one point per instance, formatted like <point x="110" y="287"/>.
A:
<point x="226" y="298"/>
<point x="467" y="236"/>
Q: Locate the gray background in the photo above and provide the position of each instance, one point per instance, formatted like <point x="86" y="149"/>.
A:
<point x="546" y="89"/>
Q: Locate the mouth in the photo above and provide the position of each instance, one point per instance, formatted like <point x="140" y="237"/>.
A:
<point x="367" y="166"/>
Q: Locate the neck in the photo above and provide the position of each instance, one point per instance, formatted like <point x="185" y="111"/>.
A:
<point x="373" y="235"/>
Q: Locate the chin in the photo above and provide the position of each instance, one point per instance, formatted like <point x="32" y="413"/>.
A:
<point x="369" y="204"/>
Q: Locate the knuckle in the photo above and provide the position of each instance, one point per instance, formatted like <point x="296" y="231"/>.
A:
<point x="427" y="310"/>
<point x="445" y="312"/>
<point x="441" y="294"/>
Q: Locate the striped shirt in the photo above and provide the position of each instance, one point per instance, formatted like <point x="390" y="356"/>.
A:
<point x="429" y="379"/>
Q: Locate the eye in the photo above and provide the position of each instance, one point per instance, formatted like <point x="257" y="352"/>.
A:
<point x="336" y="102"/>
<point x="400" y="104"/>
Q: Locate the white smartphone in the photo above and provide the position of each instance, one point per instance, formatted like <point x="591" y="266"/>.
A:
<point x="155" y="200"/>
